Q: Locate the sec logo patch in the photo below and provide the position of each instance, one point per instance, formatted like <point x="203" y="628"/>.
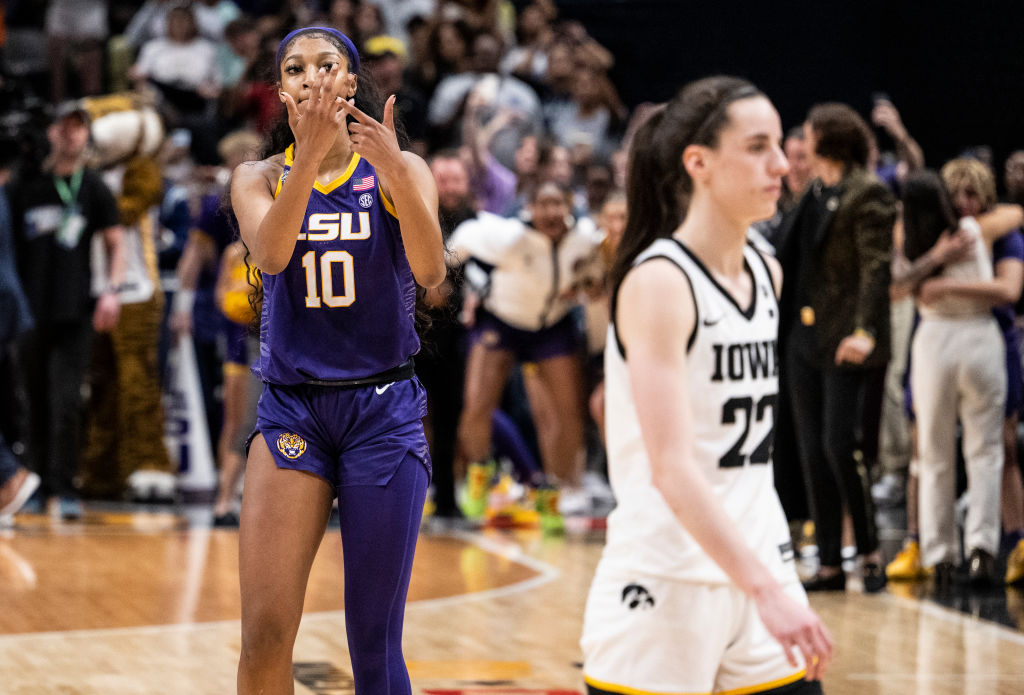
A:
<point x="366" y="200"/>
<point x="291" y="445"/>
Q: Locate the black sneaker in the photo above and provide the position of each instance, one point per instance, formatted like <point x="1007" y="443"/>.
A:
<point x="874" y="578"/>
<point x="837" y="582"/>
<point x="980" y="568"/>
<point x="226" y="520"/>
<point x="944" y="574"/>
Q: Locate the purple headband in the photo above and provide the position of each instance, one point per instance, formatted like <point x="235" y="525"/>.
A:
<point x="353" y="53"/>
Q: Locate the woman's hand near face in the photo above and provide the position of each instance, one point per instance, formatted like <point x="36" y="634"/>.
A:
<point x="375" y="141"/>
<point x="316" y="127"/>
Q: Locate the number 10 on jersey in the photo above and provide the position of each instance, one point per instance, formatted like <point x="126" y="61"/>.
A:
<point x="323" y="293"/>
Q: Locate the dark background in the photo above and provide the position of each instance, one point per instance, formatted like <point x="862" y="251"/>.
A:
<point x="954" y="70"/>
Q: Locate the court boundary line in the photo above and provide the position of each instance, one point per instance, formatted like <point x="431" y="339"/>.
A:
<point x="546" y="573"/>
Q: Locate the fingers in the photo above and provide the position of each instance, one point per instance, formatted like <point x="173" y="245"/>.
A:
<point x="389" y="113"/>
<point x="292" y="107"/>
<point x="824" y="647"/>
<point x="811" y="661"/>
<point x="817" y="650"/>
<point x="322" y="87"/>
<point x="349" y="107"/>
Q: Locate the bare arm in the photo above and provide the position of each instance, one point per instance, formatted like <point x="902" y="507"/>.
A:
<point x="1004" y="288"/>
<point x="1000" y="221"/>
<point x="949" y="247"/>
<point x="909" y="152"/>
<point x="108" y="306"/>
<point x="199" y="251"/>
<point x="233" y="255"/>
<point x="655" y="333"/>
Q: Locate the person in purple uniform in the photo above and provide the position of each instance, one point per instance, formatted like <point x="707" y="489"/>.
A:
<point x="344" y="225"/>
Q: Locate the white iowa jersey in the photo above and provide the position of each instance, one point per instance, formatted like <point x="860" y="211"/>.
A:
<point x="733" y="390"/>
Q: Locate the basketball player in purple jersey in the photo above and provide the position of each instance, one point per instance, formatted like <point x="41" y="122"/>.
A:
<point x="343" y="225"/>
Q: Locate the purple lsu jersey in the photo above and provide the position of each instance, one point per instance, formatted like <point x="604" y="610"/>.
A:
<point x="344" y="306"/>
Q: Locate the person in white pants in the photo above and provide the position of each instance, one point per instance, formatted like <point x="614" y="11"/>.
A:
<point x="957" y="371"/>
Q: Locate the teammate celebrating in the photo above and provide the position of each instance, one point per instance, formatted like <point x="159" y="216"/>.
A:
<point x="342" y="224"/>
<point x="696" y="590"/>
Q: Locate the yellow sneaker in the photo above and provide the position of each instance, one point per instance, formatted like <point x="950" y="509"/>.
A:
<point x="476" y="492"/>
<point x="506" y="508"/>
<point x="551" y="521"/>
<point x="906" y="566"/>
<point x="1015" y="564"/>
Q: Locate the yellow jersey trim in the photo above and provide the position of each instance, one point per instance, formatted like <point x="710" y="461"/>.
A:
<point x="235" y="369"/>
<point x="289" y="159"/>
<point x="626" y="690"/>
<point x="388" y="205"/>
<point x="766" y="686"/>
<point x="749" y="690"/>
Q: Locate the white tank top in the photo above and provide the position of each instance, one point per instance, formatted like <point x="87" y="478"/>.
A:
<point x="733" y="389"/>
<point x="976" y="266"/>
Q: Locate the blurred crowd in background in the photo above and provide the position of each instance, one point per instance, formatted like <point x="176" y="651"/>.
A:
<point x="528" y="141"/>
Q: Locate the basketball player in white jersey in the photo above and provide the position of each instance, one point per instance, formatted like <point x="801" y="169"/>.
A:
<point x="696" y="591"/>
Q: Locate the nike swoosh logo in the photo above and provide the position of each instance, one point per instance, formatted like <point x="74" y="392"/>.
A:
<point x="709" y="322"/>
<point x="382" y="389"/>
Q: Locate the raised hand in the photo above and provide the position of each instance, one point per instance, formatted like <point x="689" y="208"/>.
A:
<point x="316" y="127"/>
<point x="375" y="141"/>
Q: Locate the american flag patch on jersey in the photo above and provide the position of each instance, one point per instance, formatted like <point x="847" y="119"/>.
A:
<point x="363" y="184"/>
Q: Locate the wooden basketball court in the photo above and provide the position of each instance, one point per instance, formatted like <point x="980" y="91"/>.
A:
<point x="144" y="603"/>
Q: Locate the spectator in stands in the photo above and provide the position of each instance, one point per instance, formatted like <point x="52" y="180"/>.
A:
<point x="491" y="91"/>
<point x="536" y="273"/>
<point x="238" y="52"/>
<point x="149" y="22"/>
<point x="341" y="15"/>
<point x="528" y="60"/>
<point x="182" y="70"/>
<point x="76" y="32"/>
<point x="493" y="184"/>
<point x="57" y="209"/>
<point x="1014" y="177"/>
<point x="368" y="20"/>
<point x="237" y="291"/>
<point x="834" y="329"/>
<point x="908" y="157"/>
<point x="972" y="187"/>
<point x="213" y="16"/>
<point x="17" y="483"/>
<point x="448" y="52"/>
<point x="386" y="58"/>
<point x="195" y="314"/>
<point x="441" y="363"/>
<point x="953" y="374"/>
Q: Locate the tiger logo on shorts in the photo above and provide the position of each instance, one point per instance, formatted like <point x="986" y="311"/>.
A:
<point x="291" y="445"/>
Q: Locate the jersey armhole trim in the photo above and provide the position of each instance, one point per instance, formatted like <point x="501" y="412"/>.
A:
<point x="388" y="205"/>
<point x="693" y="298"/>
<point x="768" y="272"/>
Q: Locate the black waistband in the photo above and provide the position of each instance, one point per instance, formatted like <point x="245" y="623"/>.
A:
<point x="404" y="371"/>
